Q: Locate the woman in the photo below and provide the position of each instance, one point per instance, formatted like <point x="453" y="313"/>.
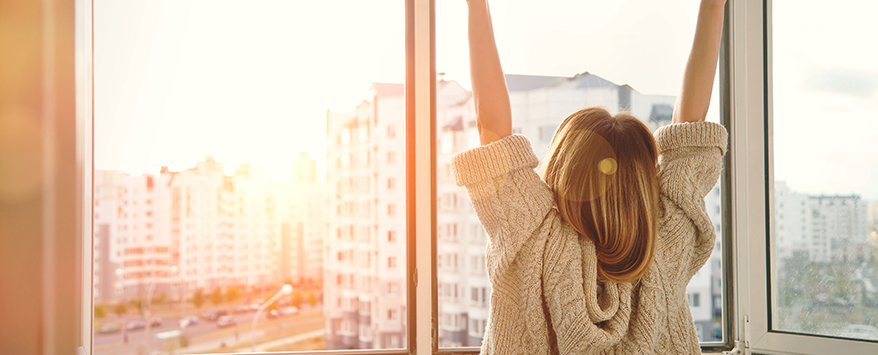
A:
<point x="596" y="257"/>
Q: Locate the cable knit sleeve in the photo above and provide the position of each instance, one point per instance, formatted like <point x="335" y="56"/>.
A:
<point x="690" y="160"/>
<point x="510" y="199"/>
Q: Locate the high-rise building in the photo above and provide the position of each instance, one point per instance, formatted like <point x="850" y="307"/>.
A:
<point x="840" y="220"/>
<point x="365" y="241"/>
<point x="177" y="232"/>
<point x="133" y="235"/>
<point x="819" y="228"/>
<point x="303" y="227"/>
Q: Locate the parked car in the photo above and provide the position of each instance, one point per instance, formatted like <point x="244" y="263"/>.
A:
<point x="289" y="311"/>
<point x="188" y="320"/>
<point x="155" y="321"/>
<point x="135" y="325"/>
<point x="225" y="321"/>
<point x="215" y="314"/>
<point x="243" y="309"/>
<point x="109" y="328"/>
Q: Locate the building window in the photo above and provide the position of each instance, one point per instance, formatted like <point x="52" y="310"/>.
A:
<point x="391" y="262"/>
<point x="391" y="236"/>
<point x="391" y="157"/>
<point x="391" y="131"/>
<point x="391" y="183"/>
<point x="391" y="210"/>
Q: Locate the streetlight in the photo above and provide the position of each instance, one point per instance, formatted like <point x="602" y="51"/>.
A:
<point x="285" y="290"/>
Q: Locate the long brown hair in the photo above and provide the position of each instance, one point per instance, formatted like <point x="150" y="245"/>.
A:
<point x="602" y="170"/>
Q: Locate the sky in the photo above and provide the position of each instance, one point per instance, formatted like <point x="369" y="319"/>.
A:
<point x="252" y="81"/>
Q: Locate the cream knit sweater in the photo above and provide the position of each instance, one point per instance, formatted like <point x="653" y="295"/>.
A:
<point x="546" y="298"/>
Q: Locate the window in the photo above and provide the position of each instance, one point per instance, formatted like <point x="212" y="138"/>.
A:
<point x="391" y="131"/>
<point x="560" y="77"/>
<point x="817" y="296"/>
<point x="391" y="157"/>
<point x="391" y="210"/>
<point x="391" y="236"/>
<point x="230" y="186"/>
<point x="754" y="92"/>
<point x="391" y="183"/>
<point x="391" y="262"/>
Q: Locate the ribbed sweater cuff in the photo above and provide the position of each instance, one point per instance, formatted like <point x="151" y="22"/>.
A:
<point x="691" y="134"/>
<point x="493" y="160"/>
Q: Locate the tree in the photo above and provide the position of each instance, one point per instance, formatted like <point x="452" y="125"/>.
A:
<point x="137" y="304"/>
<point x="120" y="308"/>
<point x="198" y="298"/>
<point x="216" y="297"/>
<point x="100" y="311"/>
<point x="312" y="298"/>
<point x="232" y="293"/>
<point x="160" y="299"/>
<point x="297" y="298"/>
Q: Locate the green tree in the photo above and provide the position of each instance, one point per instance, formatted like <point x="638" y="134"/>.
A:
<point x="100" y="311"/>
<point x="198" y="298"/>
<point x="160" y="299"/>
<point x="297" y="298"/>
<point x="312" y="298"/>
<point x="137" y="304"/>
<point x="216" y="297"/>
<point x="120" y="308"/>
<point x="232" y="293"/>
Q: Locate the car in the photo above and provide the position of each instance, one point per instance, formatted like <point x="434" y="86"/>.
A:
<point x="188" y="320"/>
<point x="243" y="309"/>
<point x="215" y="314"/>
<point x="109" y="328"/>
<point x="135" y="325"/>
<point x="155" y="321"/>
<point x="225" y="321"/>
<point x="289" y="311"/>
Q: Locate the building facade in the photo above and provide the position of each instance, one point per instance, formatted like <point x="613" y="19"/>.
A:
<point x="176" y="232"/>
<point x="365" y="240"/>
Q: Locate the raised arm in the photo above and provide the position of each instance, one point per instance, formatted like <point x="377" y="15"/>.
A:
<point x="493" y="110"/>
<point x="694" y="98"/>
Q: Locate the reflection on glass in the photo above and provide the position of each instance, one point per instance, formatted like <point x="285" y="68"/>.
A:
<point x="249" y="185"/>
<point x="567" y="68"/>
<point x="825" y="205"/>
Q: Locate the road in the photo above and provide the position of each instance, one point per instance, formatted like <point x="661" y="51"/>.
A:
<point x="207" y="336"/>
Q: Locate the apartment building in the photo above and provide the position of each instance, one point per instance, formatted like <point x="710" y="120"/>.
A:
<point x="365" y="243"/>
<point x="302" y="228"/>
<point x="199" y="228"/>
<point x="820" y="228"/>
<point x="132" y="235"/>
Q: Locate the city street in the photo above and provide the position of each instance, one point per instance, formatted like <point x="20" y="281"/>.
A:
<point x="207" y="336"/>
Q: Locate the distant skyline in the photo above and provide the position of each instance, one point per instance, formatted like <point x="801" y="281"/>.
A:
<point x="251" y="82"/>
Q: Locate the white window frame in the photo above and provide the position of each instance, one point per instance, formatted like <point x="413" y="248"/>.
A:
<point x="750" y="92"/>
<point x="751" y="69"/>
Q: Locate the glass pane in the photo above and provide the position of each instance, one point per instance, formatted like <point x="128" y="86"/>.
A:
<point x="242" y="146"/>
<point x="825" y="272"/>
<point x="570" y="55"/>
